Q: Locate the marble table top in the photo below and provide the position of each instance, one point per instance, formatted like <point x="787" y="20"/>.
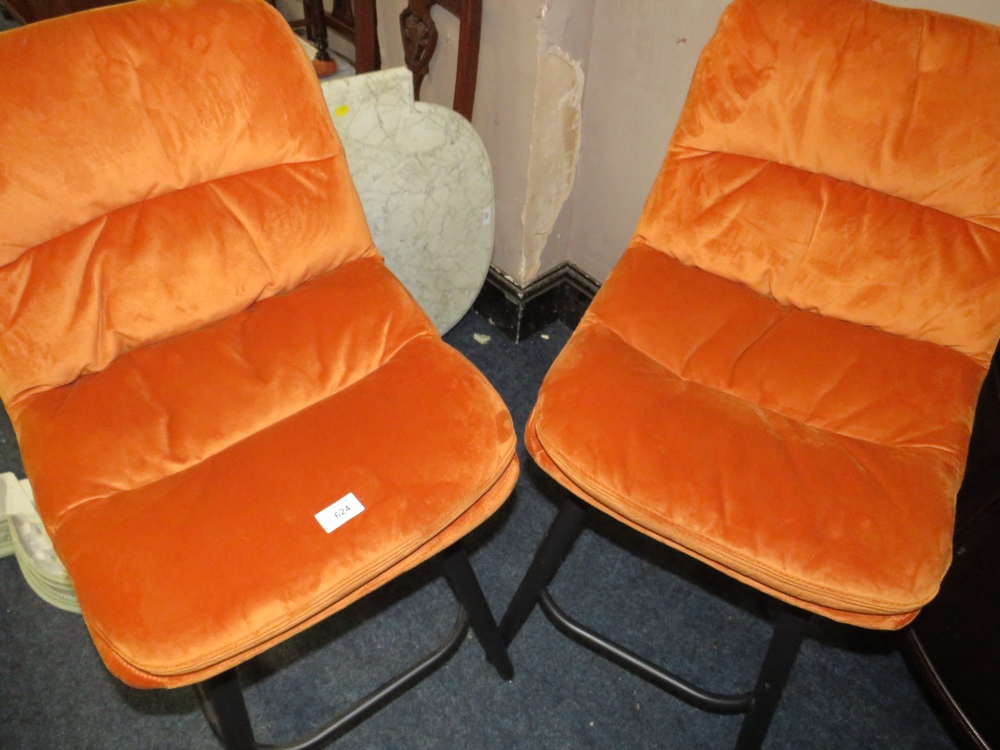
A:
<point x="426" y="186"/>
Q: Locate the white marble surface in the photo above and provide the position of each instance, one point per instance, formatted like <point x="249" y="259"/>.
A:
<point x="426" y="186"/>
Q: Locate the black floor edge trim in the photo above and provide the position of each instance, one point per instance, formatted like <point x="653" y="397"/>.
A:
<point x="563" y="294"/>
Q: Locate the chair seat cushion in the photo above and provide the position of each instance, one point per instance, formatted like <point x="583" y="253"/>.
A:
<point x="813" y="458"/>
<point x="188" y="551"/>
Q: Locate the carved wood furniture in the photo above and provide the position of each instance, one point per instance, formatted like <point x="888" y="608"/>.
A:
<point x="355" y="20"/>
<point x="420" y="38"/>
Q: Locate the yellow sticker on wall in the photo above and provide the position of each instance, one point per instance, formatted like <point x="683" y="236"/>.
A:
<point x="342" y="110"/>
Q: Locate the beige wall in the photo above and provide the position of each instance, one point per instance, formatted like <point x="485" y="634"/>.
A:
<point x="571" y="174"/>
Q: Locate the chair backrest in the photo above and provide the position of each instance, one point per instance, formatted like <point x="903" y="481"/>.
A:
<point x="830" y="154"/>
<point x="172" y="204"/>
<point x="353" y="20"/>
<point x="420" y="36"/>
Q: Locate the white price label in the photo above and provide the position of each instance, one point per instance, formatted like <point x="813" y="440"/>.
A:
<point x="336" y="515"/>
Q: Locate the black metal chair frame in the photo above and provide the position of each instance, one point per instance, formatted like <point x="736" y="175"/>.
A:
<point x="221" y="697"/>
<point x="759" y="704"/>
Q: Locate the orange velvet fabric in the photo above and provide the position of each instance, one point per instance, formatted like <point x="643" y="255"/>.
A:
<point x="831" y="154"/>
<point x="779" y="376"/>
<point x="200" y="348"/>
<point x="170" y="172"/>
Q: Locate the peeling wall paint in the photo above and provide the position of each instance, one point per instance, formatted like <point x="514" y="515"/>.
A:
<point x="554" y="150"/>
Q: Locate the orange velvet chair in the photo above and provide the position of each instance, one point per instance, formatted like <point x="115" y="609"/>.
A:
<point x="206" y="362"/>
<point x="780" y="374"/>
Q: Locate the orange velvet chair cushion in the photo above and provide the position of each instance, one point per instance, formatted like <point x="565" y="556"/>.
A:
<point x="779" y="376"/>
<point x="168" y="173"/>
<point x="200" y="348"/>
<point x="832" y="155"/>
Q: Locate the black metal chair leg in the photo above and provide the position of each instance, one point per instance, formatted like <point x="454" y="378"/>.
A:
<point x="778" y="662"/>
<point x="222" y="702"/>
<point x="463" y="580"/>
<point x="553" y="550"/>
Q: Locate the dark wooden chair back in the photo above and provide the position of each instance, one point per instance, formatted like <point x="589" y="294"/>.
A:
<point x="420" y="37"/>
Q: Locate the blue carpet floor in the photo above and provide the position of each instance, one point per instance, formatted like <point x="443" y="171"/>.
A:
<point x="849" y="688"/>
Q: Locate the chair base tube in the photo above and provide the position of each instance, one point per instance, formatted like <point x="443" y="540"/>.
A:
<point x="222" y="699"/>
<point x="759" y="704"/>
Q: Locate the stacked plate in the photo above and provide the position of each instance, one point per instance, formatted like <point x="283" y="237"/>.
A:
<point x="23" y="535"/>
<point x="6" y="541"/>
